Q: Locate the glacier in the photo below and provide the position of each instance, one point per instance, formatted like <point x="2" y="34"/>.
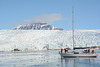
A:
<point x="31" y="40"/>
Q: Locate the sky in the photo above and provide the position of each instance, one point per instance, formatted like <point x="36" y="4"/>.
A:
<point x="54" y="12"/>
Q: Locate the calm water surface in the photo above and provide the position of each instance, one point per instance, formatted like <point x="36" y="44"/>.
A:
<point x="49" y="58"/>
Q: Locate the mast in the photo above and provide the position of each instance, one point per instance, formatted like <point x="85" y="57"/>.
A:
<point x="73" y="25"/>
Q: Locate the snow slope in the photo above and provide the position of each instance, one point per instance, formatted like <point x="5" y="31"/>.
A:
<point x="50" y="39"/>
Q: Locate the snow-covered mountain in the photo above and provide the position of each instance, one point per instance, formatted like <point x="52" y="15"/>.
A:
<point x="46" y="39"/>
<point x="36" y="26"/>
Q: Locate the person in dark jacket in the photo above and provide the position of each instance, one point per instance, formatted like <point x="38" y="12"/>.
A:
<point x="65" y="50"/>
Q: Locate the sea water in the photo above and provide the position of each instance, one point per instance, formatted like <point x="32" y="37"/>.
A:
<point x="47" y="58"/>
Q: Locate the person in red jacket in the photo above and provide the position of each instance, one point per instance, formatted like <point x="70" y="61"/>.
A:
<point x="93" y="51"/>
<point x="88" y="50"/>
<point x="67" y="50"/>
<point x="61" y="50"/>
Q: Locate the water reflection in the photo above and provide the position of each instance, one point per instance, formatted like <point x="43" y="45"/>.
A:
<point x="78" y="62"/>
<point x="44" y="59"/>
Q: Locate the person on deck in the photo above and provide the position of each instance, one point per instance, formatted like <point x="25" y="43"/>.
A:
<point x="61" y="50"/>
<point x="65" y="50"/>
<point x="88" y="50"/>
<point x="93" y="51"/>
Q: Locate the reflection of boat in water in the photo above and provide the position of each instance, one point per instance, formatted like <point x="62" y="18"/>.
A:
<point x="68" y="62"/>
<point x="75" y="54"/>
<point x="74" y="62"/>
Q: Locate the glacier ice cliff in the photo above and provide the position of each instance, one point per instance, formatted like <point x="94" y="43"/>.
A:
<point x="46" y="39"/>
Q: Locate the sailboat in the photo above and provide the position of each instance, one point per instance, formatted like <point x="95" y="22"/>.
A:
<point x="73" y="53"/>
